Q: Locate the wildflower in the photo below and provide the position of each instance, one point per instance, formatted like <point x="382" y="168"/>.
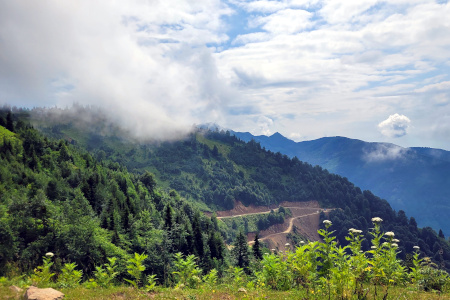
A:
<point x="353" y="230"/>
<point x="396" y="241"/>
<point x="287" y="244"/>
<point x="49" y="254"/>
<point x="302" y="242"/>
<point x="273" y="250"/>
<point x="416" y="247"/>
<point x="385" y="244"/>
<point x="326" y="222"/>
<point x="394" y="245"/>
<point x="374" y="247"/>
<point x="377" y="220"/>
<point x="390" y="234"/>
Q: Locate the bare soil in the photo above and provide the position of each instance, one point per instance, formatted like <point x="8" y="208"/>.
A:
<point x="305" y="217"/>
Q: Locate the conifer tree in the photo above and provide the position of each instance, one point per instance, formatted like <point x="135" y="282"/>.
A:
<point x="257" y="253"/>
<point x="168" y="222"/>
<point x="198" y="237"/>
<point x="9" y="122"/>
<point x="240" y="251"/>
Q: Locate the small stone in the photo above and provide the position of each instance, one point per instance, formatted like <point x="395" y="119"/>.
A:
<point x="34" y="293"/>
<point x="15" y="289"/>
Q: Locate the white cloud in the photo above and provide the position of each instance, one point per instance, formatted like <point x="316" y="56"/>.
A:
<point x="285" y="21"/>
<point x="395" y="126"/>
<point x="334" y="67"/>
<point x="383" y="152"/>
<point x="264" y="124"/>
<point x="145" y="62"/>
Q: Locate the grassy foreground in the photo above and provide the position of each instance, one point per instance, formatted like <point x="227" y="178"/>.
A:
<point x="221" y="292"/>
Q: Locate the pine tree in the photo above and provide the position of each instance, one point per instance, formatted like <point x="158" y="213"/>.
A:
<point x="257" y="253"/>
<point x="9" y="122"/>
<point x="198" y="237"/>
<point x="240" y="251"/>
<point x="441" y="234"/>
<point x="168" y="222"/>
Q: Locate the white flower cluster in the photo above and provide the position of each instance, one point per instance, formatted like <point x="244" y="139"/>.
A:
<point x="326" y="222"/>
<point x="416" y="247"/>
<point x="377" y="220"/>
<point x="394" y="245"/>
<point x="49" y="254"/>
<point x="353" y="230"/>
<point x="396" y="241"/>
<point x="390" y="234"/>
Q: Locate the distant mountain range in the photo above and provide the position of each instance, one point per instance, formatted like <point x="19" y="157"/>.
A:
<point x="416" y="180"/>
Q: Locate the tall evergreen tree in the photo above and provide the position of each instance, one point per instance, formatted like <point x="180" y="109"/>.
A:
<point x="257" y="253"/>
<point x="198" y="237"/>
<point x="240" y="251"/>
<point x="168" y="219"/>
<point x="9" y="122"/>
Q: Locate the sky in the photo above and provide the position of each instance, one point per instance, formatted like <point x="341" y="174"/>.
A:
<point x="366" y="69"/>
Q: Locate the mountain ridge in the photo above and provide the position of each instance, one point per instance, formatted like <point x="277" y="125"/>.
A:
<point x="414" y="179"/>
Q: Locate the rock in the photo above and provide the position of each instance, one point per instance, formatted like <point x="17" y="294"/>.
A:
<point x="242" y="290"/>
<point x="34" y="293"/>
<point x="15" y="289"/>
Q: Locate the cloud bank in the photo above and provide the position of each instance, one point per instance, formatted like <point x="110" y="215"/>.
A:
<point x="145" y="63"/>
<point x="319" y="67"/>
<point x="384" y="152"/>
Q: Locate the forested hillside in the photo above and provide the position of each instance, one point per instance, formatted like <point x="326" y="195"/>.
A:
<point x="57" y="198"/>
<point x="213" y="169"/>
<point x="412" y="179"/>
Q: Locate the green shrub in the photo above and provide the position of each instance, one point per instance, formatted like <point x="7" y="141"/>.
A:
<point x="135" y="268"/>
<point x="69" y="276"/>
<point x="187" y="272"/>
<point x="42" y="274"/>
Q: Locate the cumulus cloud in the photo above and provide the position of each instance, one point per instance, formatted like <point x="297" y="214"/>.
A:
<point x="264" y="124"/>
<point x="395" y="126"/>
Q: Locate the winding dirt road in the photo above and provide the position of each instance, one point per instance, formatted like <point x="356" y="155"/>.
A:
<point x="266" y="212"/>
<point x="291" y="224"/>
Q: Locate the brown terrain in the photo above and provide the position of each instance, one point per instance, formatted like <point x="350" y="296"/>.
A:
<point x="305" y="217"/>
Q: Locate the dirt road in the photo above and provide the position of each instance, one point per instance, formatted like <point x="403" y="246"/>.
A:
<point x="265" y="212"/>
<point x="291" y="225"/>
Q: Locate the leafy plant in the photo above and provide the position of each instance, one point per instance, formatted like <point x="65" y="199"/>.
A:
<point x="104" y="275"/>
<point x="211" y="278"/>
<point x="151" y="283"/>
<point x="135" y="268"/>
<point x="187" y="272"/>
<point x="69" y="276"/>
<point x="276" y="272"/>
<point x="42" y="274"/>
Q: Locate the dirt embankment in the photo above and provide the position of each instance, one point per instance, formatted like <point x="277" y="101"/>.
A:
<point x="305" y="217"/>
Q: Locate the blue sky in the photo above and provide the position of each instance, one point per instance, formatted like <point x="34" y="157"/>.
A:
<point x="367" y="69"/>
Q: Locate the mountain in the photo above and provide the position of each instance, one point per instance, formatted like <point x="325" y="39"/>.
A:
<point x="416" y="180"/>
<point x="88" y="194"/>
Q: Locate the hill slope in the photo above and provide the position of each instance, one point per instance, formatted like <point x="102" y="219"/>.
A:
<point x="214" y="169"/>
<point x="416" y="180"/>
